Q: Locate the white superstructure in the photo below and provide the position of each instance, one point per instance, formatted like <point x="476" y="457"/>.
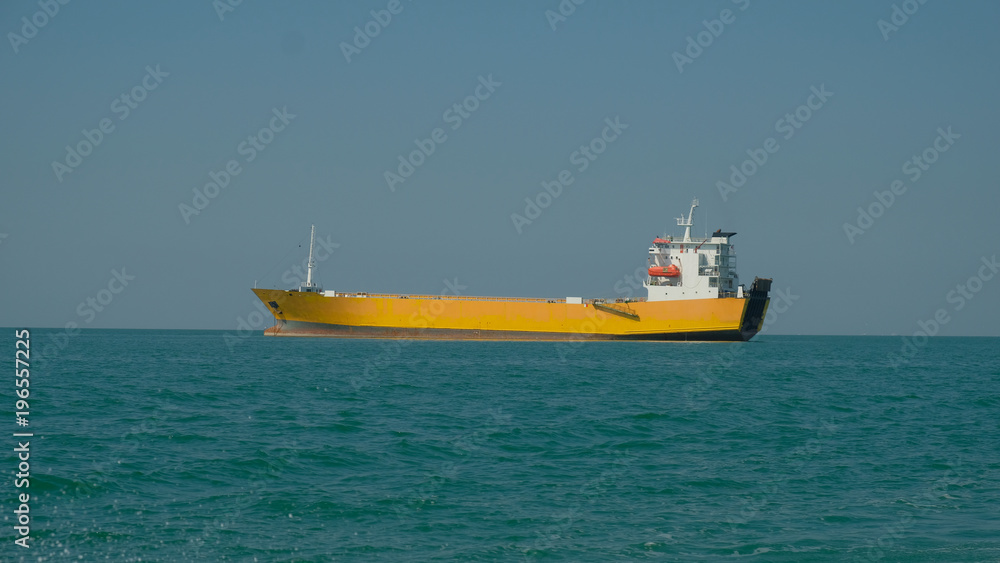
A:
<point x="689" y="268"/>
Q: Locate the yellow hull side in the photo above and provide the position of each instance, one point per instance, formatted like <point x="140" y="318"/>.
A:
<point x="308" y="314"/>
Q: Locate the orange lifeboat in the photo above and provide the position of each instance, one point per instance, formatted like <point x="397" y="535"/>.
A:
<point x="659" y="240"/>
<point x="671" y="271"/>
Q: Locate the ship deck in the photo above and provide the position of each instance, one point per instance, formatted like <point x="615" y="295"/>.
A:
<point x="475" y="298"/>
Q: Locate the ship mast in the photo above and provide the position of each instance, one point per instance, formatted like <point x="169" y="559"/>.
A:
<point x="312" y="263"/>
<point x="686" y="223"/>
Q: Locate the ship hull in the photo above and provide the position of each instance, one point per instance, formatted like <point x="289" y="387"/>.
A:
<point x="295" y="328"/>
<point x="484" y="318"/>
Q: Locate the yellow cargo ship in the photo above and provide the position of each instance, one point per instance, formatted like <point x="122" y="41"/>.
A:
<point x="693" y="294"/>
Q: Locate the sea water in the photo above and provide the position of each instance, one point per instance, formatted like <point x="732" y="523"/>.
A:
<point x="188" y="446"/>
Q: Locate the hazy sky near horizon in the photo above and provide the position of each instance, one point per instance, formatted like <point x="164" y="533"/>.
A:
<point x="308" y="117"/>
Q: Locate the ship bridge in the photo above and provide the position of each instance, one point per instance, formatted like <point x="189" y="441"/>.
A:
<point x="692" y="268"/>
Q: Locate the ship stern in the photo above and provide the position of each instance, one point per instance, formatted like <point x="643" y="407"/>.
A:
<point x="755" y="308"/>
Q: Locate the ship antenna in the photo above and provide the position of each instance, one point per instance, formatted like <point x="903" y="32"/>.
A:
<point x="312" y="263"/>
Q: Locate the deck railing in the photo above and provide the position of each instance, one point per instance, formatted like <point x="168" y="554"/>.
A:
<point x="363" y="295"/>
<point x="449" y="297"/>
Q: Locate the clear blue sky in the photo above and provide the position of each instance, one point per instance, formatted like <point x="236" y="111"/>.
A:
<point x="221" y="79"/>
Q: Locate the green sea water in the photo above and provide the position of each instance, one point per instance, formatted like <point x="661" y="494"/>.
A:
<point x="183" y="446"/>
